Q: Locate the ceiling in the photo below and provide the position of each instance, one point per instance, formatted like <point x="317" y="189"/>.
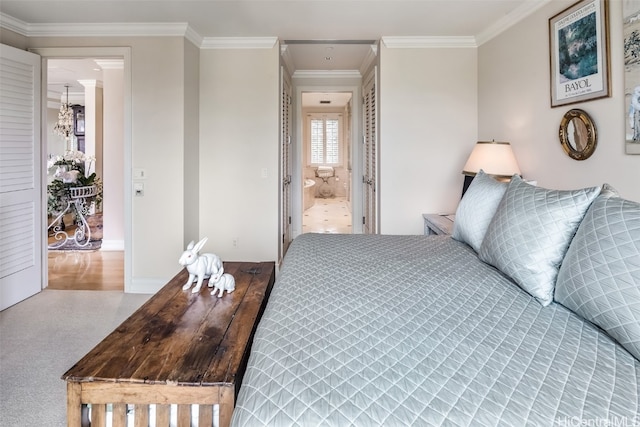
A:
<point x="320" y="35"/>
<point x="288" y="20"/>
<point x="67" y="72"/>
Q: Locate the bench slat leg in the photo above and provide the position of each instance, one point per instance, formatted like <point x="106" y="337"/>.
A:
<point x="119" y="415"/>
<point x="163" y="415"/>
<point x="227" y="402"/>
<point x="141" y="415"/>
<point x="98" y="415"/>
<point x="184" y="415"/>
<point x="205" y="416"/>
<point x="74" y="405"/>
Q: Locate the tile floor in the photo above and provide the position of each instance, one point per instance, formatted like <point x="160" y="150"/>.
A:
<point x="331" y="215"/>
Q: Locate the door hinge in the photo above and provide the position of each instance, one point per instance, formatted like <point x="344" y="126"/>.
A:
<point x="289" y="220"/>
<point x="363" y="221"/>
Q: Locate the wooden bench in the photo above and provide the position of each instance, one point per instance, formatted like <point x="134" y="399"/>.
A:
<point x="179" y="349"/>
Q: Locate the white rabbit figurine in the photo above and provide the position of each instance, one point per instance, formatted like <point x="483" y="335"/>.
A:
<point x="200" y="267"/>
<point x="226" y="282"/>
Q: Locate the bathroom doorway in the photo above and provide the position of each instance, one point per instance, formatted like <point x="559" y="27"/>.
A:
<point x="327" y="162"/>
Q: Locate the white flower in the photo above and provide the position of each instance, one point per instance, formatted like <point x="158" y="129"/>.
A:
<point x="74" y="156"/>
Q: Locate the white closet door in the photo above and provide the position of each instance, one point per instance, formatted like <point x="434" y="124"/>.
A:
<point x="370" y="155"/>
<point x="21" y="212"/>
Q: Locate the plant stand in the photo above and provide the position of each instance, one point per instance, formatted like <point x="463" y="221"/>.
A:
<point x="81" y="237"/>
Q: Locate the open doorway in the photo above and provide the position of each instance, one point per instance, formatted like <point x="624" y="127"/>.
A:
<point x="325" y="68"/>
<point x="75" y="215"/>
<point x="100" y="264"/>
<point x="327" y="162"/>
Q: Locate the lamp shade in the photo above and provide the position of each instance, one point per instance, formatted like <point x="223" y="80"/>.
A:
<point x="494" y="158"/>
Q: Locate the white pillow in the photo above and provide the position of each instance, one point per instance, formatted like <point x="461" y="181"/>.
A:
<point x="530" y="233"/>
<point x="477" y="208"/>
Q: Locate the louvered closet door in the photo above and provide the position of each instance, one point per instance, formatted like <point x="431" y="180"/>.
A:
<point x="285" y="161"/>
<point x="21" y="232"/>
<point x="369" y="179"/>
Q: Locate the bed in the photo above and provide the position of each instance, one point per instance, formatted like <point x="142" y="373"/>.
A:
<point x="417" y="330"/>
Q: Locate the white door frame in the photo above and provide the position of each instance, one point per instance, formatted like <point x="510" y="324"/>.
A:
<point x="99" y="52"/>
<point x="356" y="153"/>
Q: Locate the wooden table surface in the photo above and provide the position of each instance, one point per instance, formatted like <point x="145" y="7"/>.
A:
<point x="178" y="338"/>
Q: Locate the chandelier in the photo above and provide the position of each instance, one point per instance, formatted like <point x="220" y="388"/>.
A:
<point x="64" y="125"/>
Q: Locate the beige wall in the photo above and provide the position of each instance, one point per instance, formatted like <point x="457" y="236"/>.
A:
<point x="191" y="143"/>
<point x="13" y="39"/>
<point x="204" y="127"/>
<point x="239" y="102"/>
<point x="514" y="106"/>
<point x="157" y="146"/>
<point x="428" y="126"/>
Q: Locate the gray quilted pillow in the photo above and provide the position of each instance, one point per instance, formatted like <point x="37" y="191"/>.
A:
<point x="600" y="275"/>
<point x="476" y="209"/>
<point x="530" y="234"/>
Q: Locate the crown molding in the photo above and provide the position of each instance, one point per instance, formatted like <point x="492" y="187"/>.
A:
<point x="238" y="42"/>
<point x="369" y="59"/>
<point x="13" y="24"/>
<point x="285" y="54"/>
<point x="326" y="74"/>
<point x="193" y="36"/>
<point x="524" y="10"/>
<point x="393" y="42"/>
<point x="156" y="29"/>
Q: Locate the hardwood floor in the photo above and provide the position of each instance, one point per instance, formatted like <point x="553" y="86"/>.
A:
<point x="86" y="270"/>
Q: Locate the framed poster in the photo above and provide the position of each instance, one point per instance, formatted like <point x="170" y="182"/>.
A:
<point x="631" y="30"/>
<point x="579" y="50"/>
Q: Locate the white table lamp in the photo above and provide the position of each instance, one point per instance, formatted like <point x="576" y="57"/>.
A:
<point x="494" y="158"/>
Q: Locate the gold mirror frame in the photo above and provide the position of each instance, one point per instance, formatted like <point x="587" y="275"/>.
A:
<point x="578" y="134"/>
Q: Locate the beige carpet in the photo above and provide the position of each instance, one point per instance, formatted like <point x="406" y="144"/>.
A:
<point x="42" y="337"/>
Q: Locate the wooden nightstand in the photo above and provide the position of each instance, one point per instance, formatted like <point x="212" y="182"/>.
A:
<point x="438" y="223"/>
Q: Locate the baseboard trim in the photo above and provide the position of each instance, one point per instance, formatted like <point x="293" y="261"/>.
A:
<point x="112" y="245"/>
<point x="145" y="285"/>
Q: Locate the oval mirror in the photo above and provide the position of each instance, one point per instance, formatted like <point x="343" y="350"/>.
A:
<point x="578" y="134"/>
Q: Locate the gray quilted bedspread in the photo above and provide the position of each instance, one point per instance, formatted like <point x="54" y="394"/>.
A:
<point x="415" y="330"/>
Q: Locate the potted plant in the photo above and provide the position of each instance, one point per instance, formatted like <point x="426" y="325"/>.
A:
<point x="72" y="189"/>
